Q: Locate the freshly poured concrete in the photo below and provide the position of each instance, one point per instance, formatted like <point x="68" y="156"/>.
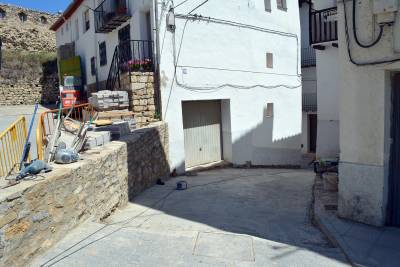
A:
<point x="228" y="217"/>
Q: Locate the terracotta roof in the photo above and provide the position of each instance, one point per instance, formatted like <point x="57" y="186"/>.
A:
<point x="67" y="14"/>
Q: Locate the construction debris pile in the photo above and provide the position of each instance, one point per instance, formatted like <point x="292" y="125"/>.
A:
<point x="109" y="100"/>
<point x="70" y="130"/>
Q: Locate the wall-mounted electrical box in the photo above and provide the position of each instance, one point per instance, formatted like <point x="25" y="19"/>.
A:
<point x="384" y="6"/>
<point x="385" y="10"/>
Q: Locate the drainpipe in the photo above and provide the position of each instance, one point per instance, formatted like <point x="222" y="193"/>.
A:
<point x="157" y="59"/>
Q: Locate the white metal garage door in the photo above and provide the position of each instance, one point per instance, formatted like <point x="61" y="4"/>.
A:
<point x="202" y="130"/>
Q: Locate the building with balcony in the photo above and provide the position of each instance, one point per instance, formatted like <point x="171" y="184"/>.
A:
<point x="320" y="35"/>
<point x="226" y="76"/>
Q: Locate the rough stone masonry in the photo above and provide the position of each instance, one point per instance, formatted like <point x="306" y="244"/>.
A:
<point x="37" y="214"/>
<point x="29" y="69"/>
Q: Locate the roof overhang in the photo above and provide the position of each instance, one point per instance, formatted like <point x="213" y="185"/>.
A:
<point x="66" y="15"/>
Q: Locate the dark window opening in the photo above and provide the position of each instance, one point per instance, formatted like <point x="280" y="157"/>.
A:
<point x="86" y="21"/>
<point x="103" y="53"/>
<point x="267" y="5"/>
<point x="2" y="13"/>
<point x="270" y="60"/>
<point x="93" y="66"/>
<point x="281" y="4"/>
<point x="23" y="17"/>
<point x="43" y="20"/>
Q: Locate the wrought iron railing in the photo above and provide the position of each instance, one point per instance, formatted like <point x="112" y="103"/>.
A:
<point x="323" y="25"/>
<point x="136" y="56"/>
<point x="110" y="14"/>
<point x="308" y="58"/>
<point x="130" y="56"/>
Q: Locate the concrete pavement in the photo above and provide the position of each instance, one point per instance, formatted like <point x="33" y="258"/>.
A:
<point x="9" y="114"/>
<point x="227" y="217"/>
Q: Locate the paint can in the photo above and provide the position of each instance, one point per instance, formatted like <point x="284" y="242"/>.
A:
<point x="181" y="185"/>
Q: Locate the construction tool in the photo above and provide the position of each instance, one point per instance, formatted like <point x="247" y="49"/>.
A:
<point x="34" y="168"/>
<point x="66" y="156"/>
<point x="27" y="145"/>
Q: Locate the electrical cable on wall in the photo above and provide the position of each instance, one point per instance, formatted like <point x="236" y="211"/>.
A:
<point x="349" y="46"/>
<point x="381" y="27"/>
<point x="210" y="89"/>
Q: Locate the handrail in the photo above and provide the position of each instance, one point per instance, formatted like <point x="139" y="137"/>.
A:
<point x="47" y="122"/>
<point x="130" y="56"/>
<point x="12" y="142"/>
<point x="322" y="27"/>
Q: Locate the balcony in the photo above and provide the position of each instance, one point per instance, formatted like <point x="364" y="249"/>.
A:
<point x="308" y="57"/>
<point x="111" y="14"/>
<point x="323" y="26"/>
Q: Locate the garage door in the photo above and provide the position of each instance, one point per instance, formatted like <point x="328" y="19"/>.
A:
<point x="202" y="130"/>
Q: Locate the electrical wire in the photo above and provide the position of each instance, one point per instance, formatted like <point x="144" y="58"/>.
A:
<point x="349" y="46"/>
<point x="355" y="31"/>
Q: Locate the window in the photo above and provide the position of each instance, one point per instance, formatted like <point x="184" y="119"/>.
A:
<point x="93" y="66"/>
<point x="2" y="13"/>
<point x="76" y="30"/>
<point x="267" y="5"/>
<point x="281" y="4"/>
<point x="62" y="31"/>
<point x="270" y="60"/>
<point x="23" y="17"/>
<point x="43" y="20"/>
<point x="86" y="21"/>
<point x="103" y="53"/>
<point x="67" y="26"/>
<point x="269" y="111"/>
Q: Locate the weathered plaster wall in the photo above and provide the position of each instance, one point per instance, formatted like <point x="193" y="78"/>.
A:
<point x="37" y="214"/>
<point x="365" y="119"/>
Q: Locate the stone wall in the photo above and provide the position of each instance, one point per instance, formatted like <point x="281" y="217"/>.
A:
<point x="27" y="77"/>
<point x="142" y="97"/>
<point x="34" y="34"/>
<point x="37" y="214"/>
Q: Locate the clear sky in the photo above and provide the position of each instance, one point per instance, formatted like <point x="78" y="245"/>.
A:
<point x="51" y="6"/>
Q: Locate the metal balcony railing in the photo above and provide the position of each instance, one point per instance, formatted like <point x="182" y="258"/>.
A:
<point x="308" y="58"/>
<point x="310" y="102"/>
<point x="111" y="14"/>
<point x="130" y="56"/>
<point x="323" y="25"/>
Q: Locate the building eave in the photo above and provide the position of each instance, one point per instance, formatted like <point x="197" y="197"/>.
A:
<point x="66" y="15"/>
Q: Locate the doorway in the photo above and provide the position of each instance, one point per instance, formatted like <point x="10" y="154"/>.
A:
<point x="394" y="164"/>
<point x="202" y="132"/>
<point x="312" y="130"/>
<point x="124" y="37"/>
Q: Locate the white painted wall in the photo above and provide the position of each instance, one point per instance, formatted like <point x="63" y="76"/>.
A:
<point x="237" y="55"/>
<point x="328" y="102"/>
<point x="87" y="45"/>
<point x="365" y="120"/>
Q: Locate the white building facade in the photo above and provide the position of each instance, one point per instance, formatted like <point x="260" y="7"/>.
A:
<point x="229" y="74"/>
<point x="369" y="173"/>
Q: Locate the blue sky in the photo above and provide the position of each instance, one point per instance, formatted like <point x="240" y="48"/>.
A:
<point x="51" y="6"/>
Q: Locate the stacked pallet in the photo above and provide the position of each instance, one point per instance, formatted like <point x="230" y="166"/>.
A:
<point x="109" y="100"/>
